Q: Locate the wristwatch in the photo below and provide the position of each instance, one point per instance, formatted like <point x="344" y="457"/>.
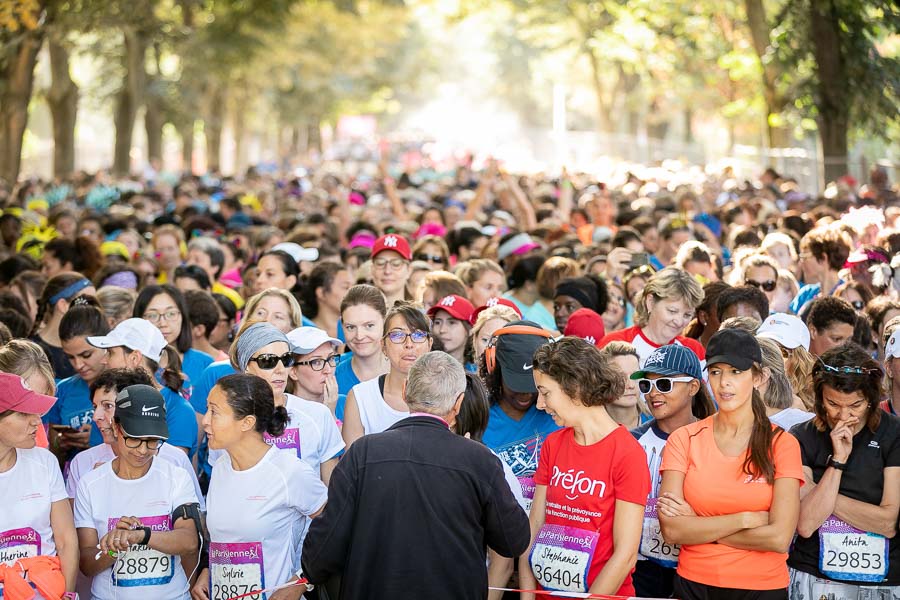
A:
<point x="840" y="466"/>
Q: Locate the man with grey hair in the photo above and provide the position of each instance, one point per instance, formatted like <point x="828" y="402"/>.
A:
<point x="412" y="510"/>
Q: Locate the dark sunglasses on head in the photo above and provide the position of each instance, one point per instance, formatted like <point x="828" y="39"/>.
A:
<point x="267" y="362"/>
<point x="432" y="258"/>
<point x="767" y="285"/>
<point x="663" y="385"/>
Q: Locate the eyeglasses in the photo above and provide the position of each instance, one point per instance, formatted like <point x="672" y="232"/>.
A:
<point x="398" y="336"/>
<point x="858" y="304"/>
<point x="156" y="317"/>
<point x="382" y="263"/>
<point x="663" y="385"/>
<point x="618" y="300"/>
<point x="432" y="258"/>
<point x="767" y="285"/>
<point x="267" y="362"/>
<point x="317" y="364"/>
<point x="135" y="443"/>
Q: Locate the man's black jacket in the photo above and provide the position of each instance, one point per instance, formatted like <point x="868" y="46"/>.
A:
<point x="409" y="514"/>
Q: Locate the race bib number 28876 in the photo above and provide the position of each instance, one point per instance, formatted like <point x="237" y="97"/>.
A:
<point x="561" y="557"/>
<point x="236" y="569"/>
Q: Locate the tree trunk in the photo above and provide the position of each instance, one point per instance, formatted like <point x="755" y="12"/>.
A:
<point x="687" y="116"/>
<point x="832" y="101"/>
<point x="62" y="99"/>
<point x="186" y="131"/>
<point x="213" y="127"/>
<point x="15" y="93"/>
<point x="777" y="135"/>
<point x="153" y="124"/>
<point x="314" y="135"/>
<point x="604" y="122"/>
<point x="129" y="98"/>
<point x="295" y="140"/>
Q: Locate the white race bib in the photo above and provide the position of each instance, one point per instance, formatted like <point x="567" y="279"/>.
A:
<point x="19" y="543"/>
<point x="653" y="546"/>
<point x="236" y="569"/>
<point x="849" y="554"/>
<point x="141" y="565"/>
<point x="561" y="557"/>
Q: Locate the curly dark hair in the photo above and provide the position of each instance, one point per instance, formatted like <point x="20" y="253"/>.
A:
<point x="865" y="375"/>
<point x="742" y="294"/>
<point x="581" y="370"/>
<point x="826" y="310"/>
<point x="829" y="243"/>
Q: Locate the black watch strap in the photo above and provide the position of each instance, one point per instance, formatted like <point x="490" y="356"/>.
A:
<point x="147" y="532"/>
<point x="840" y="466"/>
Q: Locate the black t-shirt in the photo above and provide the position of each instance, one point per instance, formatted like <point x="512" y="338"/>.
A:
<point x="62" y="368"/>
<point x="862" y="480"/>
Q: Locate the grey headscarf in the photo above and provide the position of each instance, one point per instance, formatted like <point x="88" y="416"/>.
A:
<point x="252" y="339"/>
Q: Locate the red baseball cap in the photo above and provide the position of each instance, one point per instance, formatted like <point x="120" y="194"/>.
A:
<point x="586" y="324"/>
<point x="394" y="242"/>
<point x="16" y="395"/>
<point x="457" y="306"/>
<point x="495" y="301"/>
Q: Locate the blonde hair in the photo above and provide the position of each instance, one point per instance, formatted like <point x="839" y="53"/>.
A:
<point x="669" y="284"/>
<point x="169" y="229"/>
<point x="24" y="358"/>
<point x="117" y="303"/>
<point x="775" y="238"/>
<point x="619" y="348"/>
<point x="800" y="376"/>
<point x="444" y="283"/>
<point x="693" y="251"/>
<point x="497" y="311"/>
<point x="788" y="282"/>
<point x="294" y="310"/>
<point x="778" y="391"/>
<point x="471" y="271"/>
<point x="554" y="270"/>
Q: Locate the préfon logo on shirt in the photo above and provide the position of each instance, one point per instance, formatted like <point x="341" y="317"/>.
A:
<point x="577" y="483"/>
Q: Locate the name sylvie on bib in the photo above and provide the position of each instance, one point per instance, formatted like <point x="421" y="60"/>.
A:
<point x="236" y="569"/>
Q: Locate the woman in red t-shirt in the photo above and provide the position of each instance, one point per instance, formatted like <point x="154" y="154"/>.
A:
<point x="592" y="479"/>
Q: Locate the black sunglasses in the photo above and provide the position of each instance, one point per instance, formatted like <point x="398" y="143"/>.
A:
<point x="267" y="362"/>
<point x="858" y="304"/>
<point x="767" y="285"/>
<point x="432" y="258"/>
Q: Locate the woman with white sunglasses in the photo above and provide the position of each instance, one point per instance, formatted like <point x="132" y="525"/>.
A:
<point x="671" y="383"/>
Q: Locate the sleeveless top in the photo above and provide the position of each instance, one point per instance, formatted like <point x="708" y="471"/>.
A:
<point x="374" y="412"/>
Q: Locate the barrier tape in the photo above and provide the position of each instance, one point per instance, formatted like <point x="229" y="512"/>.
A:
<point x="274" y="589"/>
<point x="570" y="594"/>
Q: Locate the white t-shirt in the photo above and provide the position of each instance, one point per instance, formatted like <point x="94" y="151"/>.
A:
<point x="789" y="417"/>
<point x="88" y="460"/>
<point x="311" y="433"/>
<point x="256" y="518"/>
<point x="103" y="497"/>
<point x="27" y="492"/>
<point x="513" y="482"/>
<point x="374" y="412"/>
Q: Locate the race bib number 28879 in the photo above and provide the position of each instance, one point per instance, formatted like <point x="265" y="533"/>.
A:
<point x="561" y="557"/>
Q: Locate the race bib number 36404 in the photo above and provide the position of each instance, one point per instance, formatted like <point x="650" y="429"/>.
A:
<point x="849" y="554"/>
<point x="561" y="557"/>
<point x="236" y="569"/>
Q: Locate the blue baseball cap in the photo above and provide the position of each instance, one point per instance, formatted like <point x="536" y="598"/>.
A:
<point x="670" y="360"/>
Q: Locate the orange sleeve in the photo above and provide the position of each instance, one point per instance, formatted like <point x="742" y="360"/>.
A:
<point x="675" y="454"/>
<point x="787" y="457"/>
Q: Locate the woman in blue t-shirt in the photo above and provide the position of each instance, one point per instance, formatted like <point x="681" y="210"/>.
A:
<point x="71" y="418"/>
<point x="362" y="314"/>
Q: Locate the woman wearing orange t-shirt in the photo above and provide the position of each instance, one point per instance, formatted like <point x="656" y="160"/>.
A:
<point x="730" y="493"/>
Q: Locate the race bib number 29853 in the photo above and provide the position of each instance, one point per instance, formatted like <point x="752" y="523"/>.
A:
<point x="849" y="554"/>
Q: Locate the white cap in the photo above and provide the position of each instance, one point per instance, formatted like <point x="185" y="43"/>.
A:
<point x="306" y="339"/>
<point x="787" y="330"/>
<point x="298" y="252"/>
<point x="134" y="334"/>
<point x="892" y="348"/>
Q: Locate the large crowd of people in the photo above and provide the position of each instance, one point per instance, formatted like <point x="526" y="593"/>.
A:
<point x="376" y="381"/>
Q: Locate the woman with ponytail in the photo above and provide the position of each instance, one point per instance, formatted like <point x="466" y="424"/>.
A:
<point x="730" y="486"/>
<point x="253" y="543"/>
<point x="53" y="303"/>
